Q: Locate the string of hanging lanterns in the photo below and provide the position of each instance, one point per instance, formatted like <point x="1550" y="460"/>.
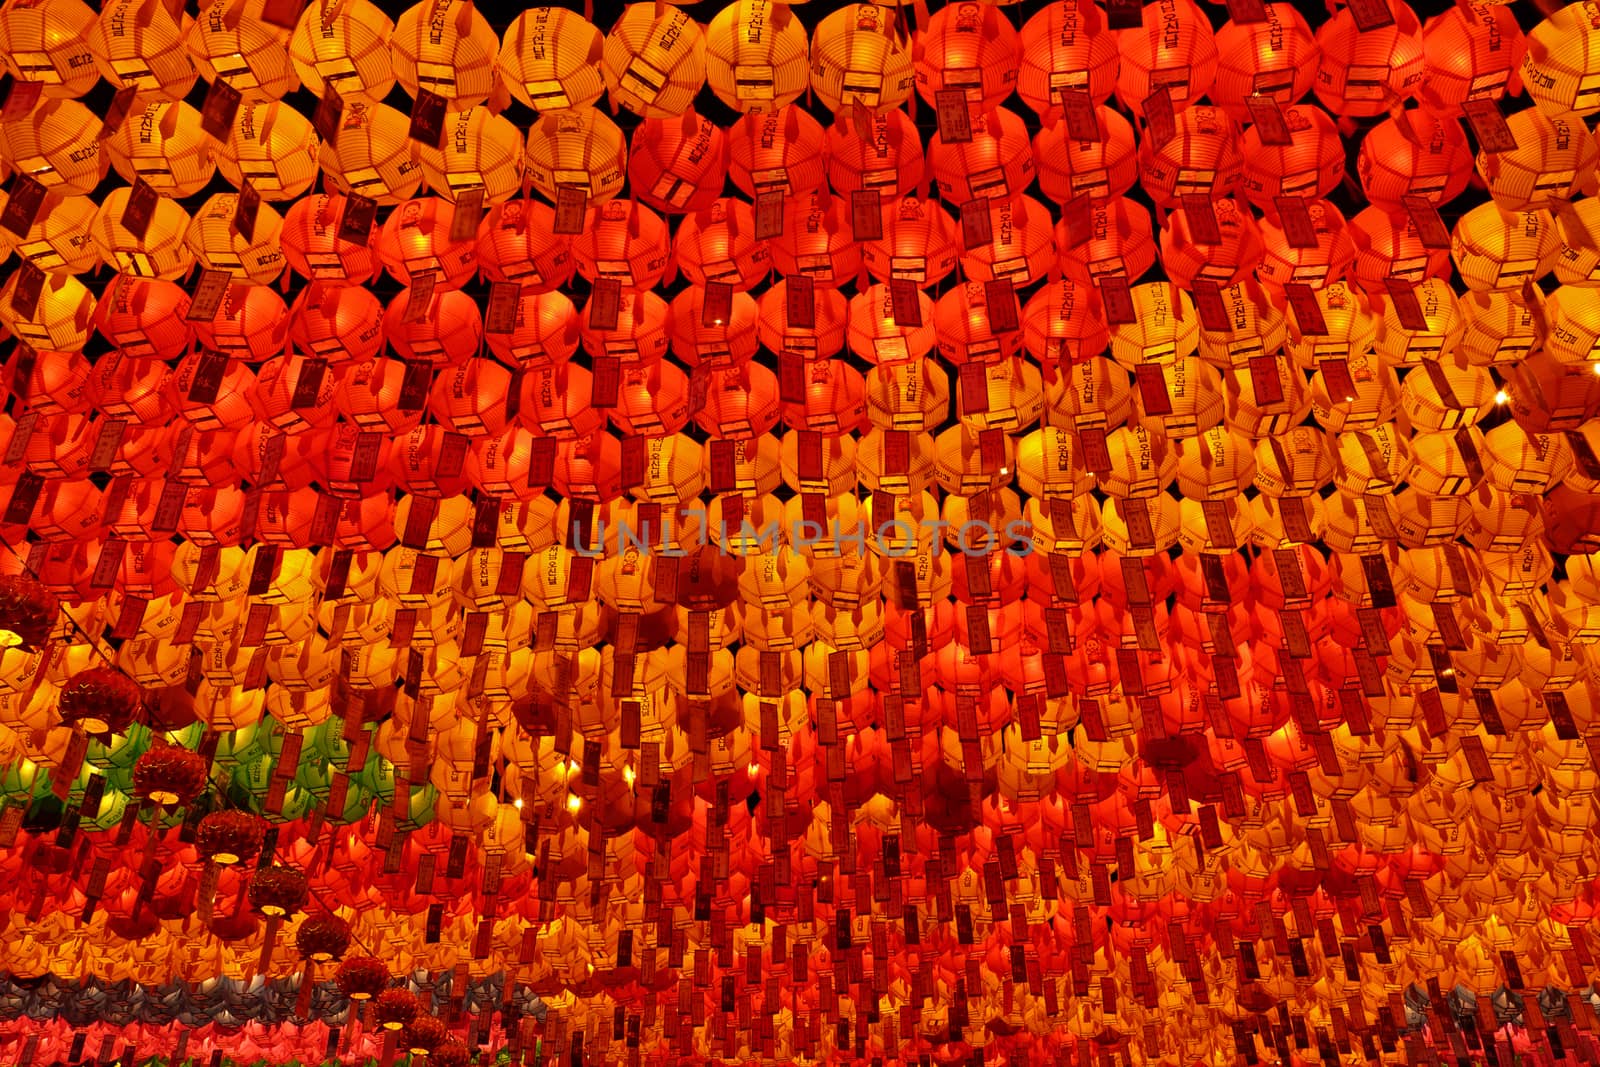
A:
<point x="832" y="533"/>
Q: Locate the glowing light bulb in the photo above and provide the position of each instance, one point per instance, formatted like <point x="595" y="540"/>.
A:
<point x="574" y="802"/>
<point x="628" y="773"/>
<point x="1501" y="397"/>
<point x="754" y="769"/>
<point x="517" y="803"/>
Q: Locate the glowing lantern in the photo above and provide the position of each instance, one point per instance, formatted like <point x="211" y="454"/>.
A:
<point x="450" y="331"/>
<point x="719" y="341"/>
<point x="551" y="59"/>
<point x="1201" y="159"/>
<point x="1562" y="60"/>
<point x="883" y="153"/>
<point x="678" y="165"/>
<point x="965" y="331"/>
<point x="447" y="48"/>
<point x="1167" y="327"/>
<point x="1555" y="157"/>
<point x="970" y="47"/>
<point x="515" y="244"/>
<point x="60" y="320"/>
<point x="229" y="42"/>
<point x="337" y="321"/>
<point x="817" y="242"/>
<point x="1311" y="165"/>
<point x="1275" y="57"/>
<point x="546" y="331"/>
<point x="578" y="148"/>
<point x="756" y="56"/>
<point x="1498" y="249"/>
<point x="274" y="148"/>
<point x="1174" y="49"/>
<point x="1367" y="72"/>
<point x="718" y="244"/>
<point x="875" y="335"/>
<point x="1414" y="153"/>
<point x="1069" y="168"/>
<point x="57" y="144"/>
<point x="60" y="239"/>
<point x="1066" y="45"/>
<point x="1283" y="263"/>
<point x="780" y="150"/>
<point x="480" y="150"/>
<point x="143" y="48"/>
<point x="1499" y="327"/>
<point x="416" y="241"/>
<point x="48" y="43"/>
<point x="162" y="143"/>
<point x="161" y="253"/>
<point x="144" y="317"/>
<point x="1388" y="246"/>
<point x="857" y="60"/>
<point x="374" y="155"/>
<point x="345" y="45"/>
<point x="640" y="334"/>
<point x="1022" y="248"/>
<point x="1255" y="327"/>
<point x="626" y="241"/>
<point x="1441" y="326"/>
<point x="654" y="60"/>
<point x="1229" y="260"/>
<point x="252" y="323"/>
<point x="918" y="243"/>
<point x="996" y="163"/>
<point x="214" y="242"/>
<point x="823" y="338"/>
<point x="1121" y="240"/>
<point x="1573" y="313"/>
<point x="1062" y="323"/>
<point x="1469" y="52"/>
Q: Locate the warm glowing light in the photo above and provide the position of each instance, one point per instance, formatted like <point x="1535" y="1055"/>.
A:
<point x="1501" y="397"/>
<point x="628" y="773"/>
<point x="574" y="802"/>
<point x="754" y="769"/>
<point x="517" y="803"/>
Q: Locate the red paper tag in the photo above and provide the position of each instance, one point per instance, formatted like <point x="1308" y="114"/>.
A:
<point x="329" y="114"/>
<point x="605" y="304"/>
<point x="501" y="315"/>
<point x="419" y="296"/>
<point x="117" y="112"/>
<point x="1209" y="303"/>
<point x="1201" y="215"/>
<point x="1307" y="312"/>
<point x="606" y="383"/>
<point x="1425" y="219"/>
<point x="285" y="13"/>
<point x="1077" y="216"/>
<point x="905" y="302"/>
<point x="466" y="215"/>
<point x="716" y="307"/>
<point x="21" y="99"/>
<point x="1117" y="297"/>
<point x="220" y="108"/>
<point x="141" y="209"/>
<point x="206" y="384"/>
<point x="954" y="118"/>
<point x="1161" y="122"/>
<point x="769" y="214"/>
<point x="1077" y="111"/>
<point x="1265" y="378"/>
<point x="572" y="209"/>
<point x="866" y="215"/>
<point x="427" y="118"/>
<point x="1489" y="126"/>
<point x="1295" y="219"/>
<point x="23" y="207"/>
<point x="977" y="229"/>
<point x="245" y="212"/>
<point x="1124" y="14"/>
<point x="1371" y="15"/>
<point x="974" y="388"/>
<point x="1406" y="306"/>
<point x="800" y="302"/>
<point x="1267" y="115"/>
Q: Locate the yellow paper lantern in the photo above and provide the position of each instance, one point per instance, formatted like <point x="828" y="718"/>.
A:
<point x="550" y="60"/>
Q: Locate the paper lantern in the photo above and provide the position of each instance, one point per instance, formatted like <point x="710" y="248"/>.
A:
<point x="515" y="244"/>
<point x="654" y="60"/>
<point x="756" y="56"/>
<point x="972" y="48"/>
<point x="780" y="150"/>
<point x="1063" y="323"/>
<point x="996" y="163"/>
<point x="169" y="776"/>
<point x="336" y="321"/>
<point x="1068" y="168"/>
<point x="718" y="244"/>
<point x="698" y="338"/>
<point x="447" y="49"/>
<point x="313" y="247"/>
<point x="1388" y="246"/>
<point x="212" y="240"/>
<point x="161" y="253"/>
<point x="131" y="389"/>
<point x="678" y="165"/>
<point x="550" y="60"/>
<point x="1022" y="249"/>
<point x="49" y="43"/>
<point x="875" y="335"/>
<point x="450" y="331"/>
<point x="60" y="320"/>
<point x="1573" y="314"/>
<point x="546" y="331"/>
<point x="1174" y="49"/>
<point x="1230" y="260"/>
<point x="1367" y="72"/>
<point x="280" y="383"/>
<point x="480" y="150"/>
<point x="817" y="242"/>
<point x="883" y="152"/>
<point x="1167" y="327"/>
<point x="416" y="240"/>
<point x="1434" y="337"/>
<point x="347" y="46"/>
<point x="1328" y="262"/>
<point x="820" y="340"/>
<point x="1499" y="329"/>
<point x="60" y="240"/>
<point x="233" y="44"/>
<point x="252" y="323"/>
<point x="1555" y="157"/>
<point x="1120" y="240"/>
<point x="374" y="155"/>
<point x="1274" y="57"/>
<point x="162" y="143"/>
<point x="918" y="243"/>
<point x="1469" y="52"/>
<point x="626" y="241"/>
<point x="144" y="317"/>
<point x="100" y="700"/>
<point x="1066" y="45"/>
<point x="274" y="148"/>
<point x="965" y="331"/>
<point x="144" y="49"/>
<point x="1310" y="166"/>
<point x="58" y="144"/>
<point x="577" y="148"/>
<point x="641" y="333"/>
<point x="1202" y="158"/>
<point x="1562" y="59"/>
<point x="1497" y="249"/>
<point x="368" y="394"/>
<point x="1414" y="153"/>
<point x="857" y="60"/>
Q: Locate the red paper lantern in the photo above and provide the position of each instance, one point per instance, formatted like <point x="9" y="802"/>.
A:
<point x="1310" y="166"/>
<point x="1275" y="57"/>
<point x="449" y="329"/>
<point x="678" y="164"/>
<point x="1174" y="49"/>
<point x="882" y="151"/>
<point x="1104" y="169"/>
<point x="970" y="47"/>
<point x="1367" y="72"/>
<point x="415" y="240"/>
<point x="338" y="321"/>
<point x="627" y="242"/>
<point x="313" y="247"/>
<point x="778" y="151"/>
<point x="1066" y="45"/>
<point x="1470" y="52"/>
<point x="169" y="775"/>
<point x="252" y="323"/>
<point x="1414" y="153"/>
<point x="517" y="242"/>
<point x="718" y="244"/>
<point x="144" y="317"/>
<point x="996" y="162"/>
<point x="1202" y="158"/>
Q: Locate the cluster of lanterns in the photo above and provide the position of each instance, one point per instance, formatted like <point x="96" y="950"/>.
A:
<point x="874" y="536"/>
